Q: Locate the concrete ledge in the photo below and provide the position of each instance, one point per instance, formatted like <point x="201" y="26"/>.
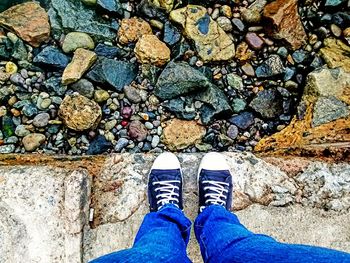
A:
<point x="45" y="210"/>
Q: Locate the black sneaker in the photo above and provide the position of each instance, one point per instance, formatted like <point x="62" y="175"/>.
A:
<point x="214" y="182"/>
<point x="165" y="182"/>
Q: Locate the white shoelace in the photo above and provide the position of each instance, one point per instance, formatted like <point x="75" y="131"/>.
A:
<point x="167" y="192"/>
<point x="217" y="194"/>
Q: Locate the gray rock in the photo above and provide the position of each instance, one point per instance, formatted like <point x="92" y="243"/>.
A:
<point x="70" y="15"/>
<point x="179" y="78"/>
<point x="121" y="144"/>
<point x="268" y="103"/>
<point x="328" y="109"/>
<point x="271" y="67"/>
<point x="84" y="87"/>
<point x="114" y="73"/>
<point x="232" y="132"/>
<point x="41" y="120"/>
<point x="132" y="94"/>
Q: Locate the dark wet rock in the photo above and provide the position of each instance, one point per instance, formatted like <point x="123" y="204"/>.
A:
<point x="216" y="104"/>
<point x="317" y="62"/>
<point x="300" y="56"/>
<point x="84" y="87"/>
<point x="115" y="73"/>
<point x="103" y="50"/>
<point x="243" y="120"/>
<point x="289" y="73"/>
<point x="110" y="6"/>
<point x="179" y="78"/>
<point x="177" y="106"/>
<point x="146" y="8"/>
<point x="71" y="15"/>
<point x="137" y="131"/>
<point x="99" y="145"/>
<point x="51" y="57"/>
<point x="54" y="84"/>
<point x="5" y="49"/>
<point x="268" y="103"/>
<point x="328" y="109"/>
<point x="341" y="19"/>
<point x="150" y="72"/>
<point x="8" y="127"/>
<point x="271" y="67"/>
<point x="19" y="50"/>
<point x="171" y="34"/>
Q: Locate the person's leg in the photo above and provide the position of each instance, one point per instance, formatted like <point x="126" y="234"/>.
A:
<point x="223" y="239"/>
<point x="162" y="237"/>
<point x="164" y="233"/>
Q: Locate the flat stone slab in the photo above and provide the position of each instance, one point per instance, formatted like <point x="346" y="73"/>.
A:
<point x="51" y="214"/>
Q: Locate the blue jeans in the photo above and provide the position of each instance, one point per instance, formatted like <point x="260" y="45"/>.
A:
<point x="164" y="235"/>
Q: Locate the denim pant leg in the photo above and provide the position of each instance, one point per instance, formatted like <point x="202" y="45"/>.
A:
<point x="223" y="239"/>
<point x="162" y="237"/>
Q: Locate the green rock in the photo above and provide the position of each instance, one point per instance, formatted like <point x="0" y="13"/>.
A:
<point x="75" y="40"/>
<point x="216" y="104"/>
<point x="178" y="79"/>
<point x="238" y="105"/>
<point x="8" y="127"/>
<point x="234" y="81"/>
<point x="19" y="50"/>
<point x="72" y="15"/>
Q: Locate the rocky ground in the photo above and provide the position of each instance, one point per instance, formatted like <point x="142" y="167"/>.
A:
<point x="95" y="76"/>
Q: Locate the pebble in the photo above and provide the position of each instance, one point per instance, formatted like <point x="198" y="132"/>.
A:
<point x="33" y="141"/>
<point x="9" y="148"/>
<point x="224" y="23"/>
<point x="41" y="120"/>
<point x="248" y="70"/>
<point x="254" y="41"/>
<point x="101" y="95"/>
<point x="121" y="144"/>
<point x="238" y="24"/>
<point x="232" y="132"/>
<point x="11" y="68"/>
<point x="155" y="141"/>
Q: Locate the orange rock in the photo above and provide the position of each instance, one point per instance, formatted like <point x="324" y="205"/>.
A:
<point x="283" y="22"/>
<point x="180" y="134"/>
<point x="131" y="29"/>
<point x="82" y="60"/>
<point x="243" y="53"/>
<point x="150" y="50"/>
<point x="29" y="21"/>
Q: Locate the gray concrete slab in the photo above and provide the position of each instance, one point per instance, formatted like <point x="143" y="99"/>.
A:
<point x="44" y="210"/>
